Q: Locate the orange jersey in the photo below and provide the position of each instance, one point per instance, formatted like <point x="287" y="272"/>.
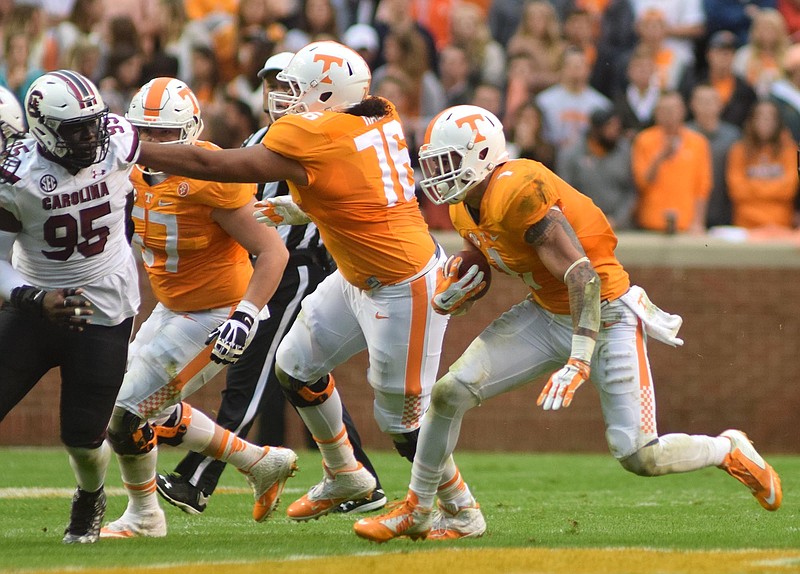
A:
<point x="680" y="181"/>
<point x="192" y="263"/>
<point x="519" y="194"/>
<point x="360" y="193"/>
<point x="762" y="186"/>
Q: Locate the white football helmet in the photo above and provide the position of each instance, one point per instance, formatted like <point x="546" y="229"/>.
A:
<point x="167" y="103"/>
<point x="68" y="119"/>
<point x="12" y="122"/>
<point x="321" y="76"/>
<point x="463" y="144"/>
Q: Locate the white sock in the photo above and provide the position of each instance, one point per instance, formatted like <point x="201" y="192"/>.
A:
<point x="200" y="431"/>
<point x="454" y="492"/>
<point x="228" y="447"/>
<point x="325" y="423"/>
<point x="89" y="465"/>
<point x="337" y="452"/>
<point x="437" y="439"/>
<point x="683" y="453"/>
<point x="139" y="478"/>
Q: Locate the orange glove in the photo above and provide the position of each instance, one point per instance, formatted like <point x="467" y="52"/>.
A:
<point x="452" y="292"/>
<point x="280" y="210"/>
<point x="562" y="384"/>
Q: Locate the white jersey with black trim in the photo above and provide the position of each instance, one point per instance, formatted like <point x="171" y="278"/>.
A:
<point x="74" y="226"/>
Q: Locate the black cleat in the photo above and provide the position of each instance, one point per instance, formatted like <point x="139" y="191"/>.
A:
<point x="181" y="493"/>
<point x="88" y="510"/>
<point x="374" y="501"/>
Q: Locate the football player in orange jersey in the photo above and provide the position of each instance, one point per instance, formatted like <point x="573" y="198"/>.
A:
<point x="195" y="239"/>
<point x="346" y="159"/>
<point x="251" y="385"/>
<point x="582" y="313"/>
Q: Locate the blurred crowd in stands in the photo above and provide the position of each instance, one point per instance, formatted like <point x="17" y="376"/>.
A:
<point x="676" y="116"/>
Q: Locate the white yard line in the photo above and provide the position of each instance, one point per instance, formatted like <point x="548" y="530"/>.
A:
<point x="40" y="492"/>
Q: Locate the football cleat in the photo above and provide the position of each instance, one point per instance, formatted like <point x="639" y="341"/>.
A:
<point x="748" y="467"/>
<point x="147" y="523"/>
<point x="376" y="500"/>
<point x="326" y="496"/>
<point x="404" y="519"/>
<point x="179" y="492"/>
<point x="88" y="509"/>
<point x="268" y="478"/>
<point x="454" y="523"/>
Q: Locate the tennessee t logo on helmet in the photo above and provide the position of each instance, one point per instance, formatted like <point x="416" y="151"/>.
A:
<point x="472" y="122"/>
<point x="327" y="61"/>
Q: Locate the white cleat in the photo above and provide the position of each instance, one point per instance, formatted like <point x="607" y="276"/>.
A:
<point x="150" y="524"/>
<point x="451" y="524"/>
<point x="268" y="478"/>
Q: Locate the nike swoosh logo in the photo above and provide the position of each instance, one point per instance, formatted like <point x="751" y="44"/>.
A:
<point x="379" y="316"/>
<point x="162" y="203"/>
<point x="607" y="324"/>
<point x="771" y="498"/>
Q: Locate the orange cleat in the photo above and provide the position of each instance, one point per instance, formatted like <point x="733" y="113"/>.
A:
<point x="268" y="478"/>
<point x="406" y="518"/>
<point x="748" y="467"/>
<point x="326" y="496"/>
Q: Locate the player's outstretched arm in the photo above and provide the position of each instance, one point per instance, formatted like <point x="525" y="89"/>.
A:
<point x="253" y="164"/>
<point x="561" y="252"/>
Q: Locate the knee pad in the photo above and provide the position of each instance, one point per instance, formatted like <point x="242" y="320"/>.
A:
<point x="643" y="461"/>
<point x="175" y="427"/>
<point x="406" y="444"/>
<point x="127" y="437"/>
<point x="450" y="396"/>
<point x="302" y="394"/>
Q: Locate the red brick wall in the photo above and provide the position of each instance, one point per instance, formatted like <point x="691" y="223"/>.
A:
<point x="736" y="369"/>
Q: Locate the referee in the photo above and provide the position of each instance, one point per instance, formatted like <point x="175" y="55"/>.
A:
<point x="251" y="385"/>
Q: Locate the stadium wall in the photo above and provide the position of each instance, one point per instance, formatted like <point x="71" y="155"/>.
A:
<point x="741" y="309"/>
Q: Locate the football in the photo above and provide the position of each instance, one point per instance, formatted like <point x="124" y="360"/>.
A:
<point x="473" y="257"/>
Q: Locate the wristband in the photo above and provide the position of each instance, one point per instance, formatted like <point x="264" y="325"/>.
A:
<point x="28" y="298"/>
<point x="248" y="309"/>
<point x="582" y="348"/>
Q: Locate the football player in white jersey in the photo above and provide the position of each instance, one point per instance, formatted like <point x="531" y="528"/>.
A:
<point x="67" y="272"/>
<point x="12" y="120"/>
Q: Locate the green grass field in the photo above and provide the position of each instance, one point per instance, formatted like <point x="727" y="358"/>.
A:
<point x="539" y="501"/>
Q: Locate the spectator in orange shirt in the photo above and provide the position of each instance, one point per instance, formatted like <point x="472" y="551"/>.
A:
<point x="762" y="172"/>
<point x="672" y="171"/>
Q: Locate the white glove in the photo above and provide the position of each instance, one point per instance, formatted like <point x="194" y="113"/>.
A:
<point x="451" y="292"/>
<point x="562" y="384"/>
<point x="233" y="336"/>
<point x="280" y="210"/>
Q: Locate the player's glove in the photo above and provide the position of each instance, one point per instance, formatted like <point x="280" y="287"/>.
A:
<point x="233" y="335"/>
<point x="452" y="292"/>
<point x="562" y="384"/>
<point x="281" y="210"/>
